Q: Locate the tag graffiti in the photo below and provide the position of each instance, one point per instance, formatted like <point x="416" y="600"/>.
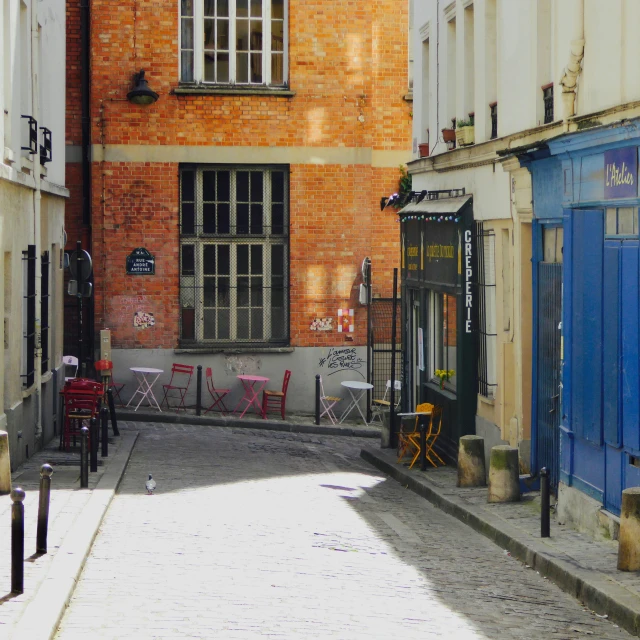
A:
<point x="342" y="360"/>
<point x="143" y="319"/>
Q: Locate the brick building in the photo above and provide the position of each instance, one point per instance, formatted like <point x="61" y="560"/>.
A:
<point x="253" y="181"/>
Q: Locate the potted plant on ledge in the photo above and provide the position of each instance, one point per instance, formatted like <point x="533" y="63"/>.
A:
<point x="465" y="133"/>
<point x="449" y="135"/>
<point x="444" y="375"/>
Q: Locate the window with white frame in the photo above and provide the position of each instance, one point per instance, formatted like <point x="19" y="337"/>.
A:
<point x="442" y="327"/>
<point x="234" y="235"/>
<point x="233" y="42"/>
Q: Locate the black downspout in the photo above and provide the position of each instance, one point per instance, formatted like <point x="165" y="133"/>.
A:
<point x="85" y="86"/>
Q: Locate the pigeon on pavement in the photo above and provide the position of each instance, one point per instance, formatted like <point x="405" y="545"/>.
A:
<point x="150" y="484"/>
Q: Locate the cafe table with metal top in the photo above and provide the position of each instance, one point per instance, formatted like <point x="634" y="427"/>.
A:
<point x="146" y="380"/>
<point x="356" y="390"/>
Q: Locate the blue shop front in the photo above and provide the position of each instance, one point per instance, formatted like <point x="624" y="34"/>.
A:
<point x="585" y="202"/>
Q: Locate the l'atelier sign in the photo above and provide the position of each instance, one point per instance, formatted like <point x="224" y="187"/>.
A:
<point x="141" y="263"/>
<point x="621" y="173"/>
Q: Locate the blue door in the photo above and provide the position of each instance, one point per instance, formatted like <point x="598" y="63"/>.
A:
<point x="547" y="410"/>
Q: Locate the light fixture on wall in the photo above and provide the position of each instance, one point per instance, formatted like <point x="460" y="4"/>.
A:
<point x="141" y="94"/>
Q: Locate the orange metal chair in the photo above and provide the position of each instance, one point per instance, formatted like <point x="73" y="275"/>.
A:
<point x="404" y="442"/>
<point x="180" y="380"/>
<point x="433" y="431"/>
<point x="276" y="399"/>
<point x="217" y="394"/>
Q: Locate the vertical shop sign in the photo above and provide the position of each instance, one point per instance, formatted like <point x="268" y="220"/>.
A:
<point x="468" y="280"/>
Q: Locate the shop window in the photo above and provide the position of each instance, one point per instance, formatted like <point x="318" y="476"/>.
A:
<point x="234" y="254"/>
<point x="621" y="221"/>
<point x="233" y="42"/>
<point x="487" y="334"/>
<point x="443" y="335"/>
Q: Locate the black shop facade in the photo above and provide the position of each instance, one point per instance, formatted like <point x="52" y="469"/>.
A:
<point x="439" y="328"/>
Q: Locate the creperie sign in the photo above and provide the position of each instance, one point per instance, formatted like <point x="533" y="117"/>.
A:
<point x="468" y="274"/>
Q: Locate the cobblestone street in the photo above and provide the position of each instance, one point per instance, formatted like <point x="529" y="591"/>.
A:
<point x="255" y="534"/>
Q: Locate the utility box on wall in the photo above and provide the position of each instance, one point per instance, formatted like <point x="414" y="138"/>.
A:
<point x="105" y="344"/>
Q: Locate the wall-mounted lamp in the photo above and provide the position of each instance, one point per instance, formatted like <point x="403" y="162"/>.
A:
<point x="141" y="94"/>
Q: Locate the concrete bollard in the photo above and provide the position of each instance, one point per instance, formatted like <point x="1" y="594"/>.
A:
<point x="629" y="537"/>
<point x="504" y="474"/>
<point x="472" y="471"/>
<point x="5" y="464"/>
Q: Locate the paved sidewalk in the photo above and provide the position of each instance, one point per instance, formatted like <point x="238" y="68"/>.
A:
<point x="583" y="567"/>
<point x="74" y="517"/>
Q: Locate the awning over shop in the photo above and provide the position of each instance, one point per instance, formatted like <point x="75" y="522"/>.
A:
<point x="439" y="206"/>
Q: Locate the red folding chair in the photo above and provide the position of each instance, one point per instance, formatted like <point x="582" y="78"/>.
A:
<point x="217" y="394"/>
<point x="276" y="399"/>
<point x="80" y="405"/>
<point x="178" y="385"/>
<point x="105" y="367"/>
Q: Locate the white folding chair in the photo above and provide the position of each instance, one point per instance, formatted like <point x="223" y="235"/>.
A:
<point x="70" y="362"/>
<point x="328" y="402"/>
<point x="380" y="404"/>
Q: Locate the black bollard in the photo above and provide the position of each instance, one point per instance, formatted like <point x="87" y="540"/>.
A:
<point x="17" y="541"/>
<point x="423" y="444"/>
<point x="112" y="412"/>
<point x="317" y="398"/>
<point x="84" y="462"/>
<point x="104" y="431"/>
<point x="93" y="445"/>
<point x="199" y="390"/>
<point x="545" y="526"/>
<point x="46" y="471"/>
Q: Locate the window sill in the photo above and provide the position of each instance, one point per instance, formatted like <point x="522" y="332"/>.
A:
<point x="200" y="90"/>
<point x="487" y="400"/>
<point x="231" y="350"/>
<point x="451" y="395"/>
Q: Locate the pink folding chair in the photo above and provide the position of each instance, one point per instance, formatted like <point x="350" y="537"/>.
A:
<point x="328" y="402"/>
<point x="178" y="385"/>
<point x="217" y="394"/>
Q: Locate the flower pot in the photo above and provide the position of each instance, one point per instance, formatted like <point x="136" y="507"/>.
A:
<point x="465" y="136"/>
<point x="442" y="384"/>
<point x="449" y="135"/>
<point x="423" y="149"/>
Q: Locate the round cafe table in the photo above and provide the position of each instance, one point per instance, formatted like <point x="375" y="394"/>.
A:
<point x="146" y="380"/>
<point x="356" y="390"/>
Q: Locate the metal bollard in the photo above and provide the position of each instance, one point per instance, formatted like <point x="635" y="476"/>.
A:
<point x="46" y="471"/>
<point x="317" y="398"/>
<point x="423" y="444"/>
<point x="545" y="527"/>
<point x="17" y="541"/>
<point x="199" y="390"/>
<point x="93" y="445"/>
<point x="84" y="463"/>
<point x="112" y="412"/>
<point x="104" y="427"/>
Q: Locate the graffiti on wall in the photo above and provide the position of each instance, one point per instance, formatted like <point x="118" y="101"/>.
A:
<point x="346" y="359"/>
<point x="143" y="319"/>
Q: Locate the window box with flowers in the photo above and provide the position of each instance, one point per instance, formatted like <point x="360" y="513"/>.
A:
<point x="444" y="375"/>
<point x="465" y="133"/>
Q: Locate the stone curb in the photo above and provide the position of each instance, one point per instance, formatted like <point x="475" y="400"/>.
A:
<point x="248" y="423"/>
<point x="592" y="588"/>
<point x="40" y="619"/>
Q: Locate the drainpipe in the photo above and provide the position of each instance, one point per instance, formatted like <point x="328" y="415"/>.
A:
<point x="37" y="241"/>
<point x="575" y="30"/>
<point x="85" y="25"/>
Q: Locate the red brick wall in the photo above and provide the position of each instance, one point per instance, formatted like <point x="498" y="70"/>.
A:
<point x="349" y="75"/>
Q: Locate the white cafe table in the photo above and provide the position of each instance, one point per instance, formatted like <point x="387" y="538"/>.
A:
<point x="356" y="390"/>
<point x="146" y="377"/>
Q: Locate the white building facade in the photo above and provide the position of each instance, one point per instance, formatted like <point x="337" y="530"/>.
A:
<point x="513" y="77"/>
<point x="32" y="205"/>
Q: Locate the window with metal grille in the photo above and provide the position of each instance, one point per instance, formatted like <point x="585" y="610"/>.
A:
<point x="547" y="97"/>
<point x="29" y="315"/>
<point x="234" y="254"/>
<point x="486" y="296"/>
<point x="233" y="42"/>
<point x="44" y="311"/>
<point x="494" y="119"/>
